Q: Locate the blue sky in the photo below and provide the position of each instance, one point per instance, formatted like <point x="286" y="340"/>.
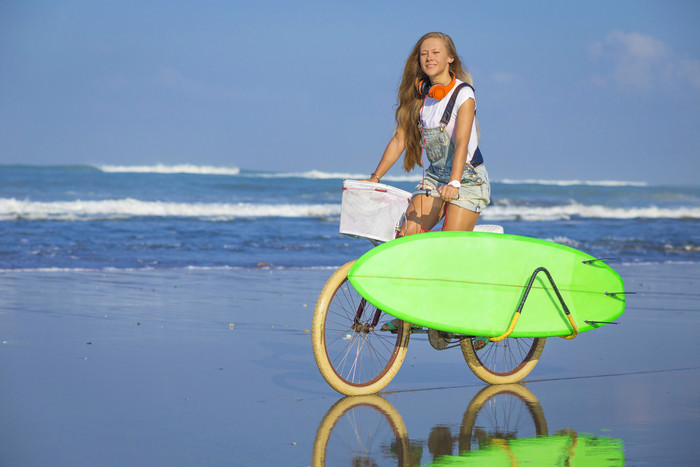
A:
<point x="594" y="90"/>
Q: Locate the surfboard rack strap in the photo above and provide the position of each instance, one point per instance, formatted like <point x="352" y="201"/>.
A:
<point x="516" y="316"/>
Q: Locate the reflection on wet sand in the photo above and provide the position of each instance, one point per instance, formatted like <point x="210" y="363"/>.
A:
<point x="362" y="431"/>
<point x="502" y="425"/>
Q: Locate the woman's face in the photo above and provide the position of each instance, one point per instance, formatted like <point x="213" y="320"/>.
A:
<point x="434" y="59"/>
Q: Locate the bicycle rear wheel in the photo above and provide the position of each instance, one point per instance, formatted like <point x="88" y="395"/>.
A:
<point x="503" y="362"/>
<point x="501" y="412"/>
<point x="352" y="354"/>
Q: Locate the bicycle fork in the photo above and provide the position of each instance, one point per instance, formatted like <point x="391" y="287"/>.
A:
<point x="365" y="328"/>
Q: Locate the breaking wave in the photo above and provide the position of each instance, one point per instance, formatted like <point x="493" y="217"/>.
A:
<point x="575" y="210"/>
<point x="608" y="183"/>
<point x="12" y="209"/>
<point x="171" y="169"/>
<point x="322" y="175"/>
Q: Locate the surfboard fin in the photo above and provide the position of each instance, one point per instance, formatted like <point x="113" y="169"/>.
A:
<point x="591" y="261"/>
<point x="612" y="294"/>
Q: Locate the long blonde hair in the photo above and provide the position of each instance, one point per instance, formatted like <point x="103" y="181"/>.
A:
<point x="410" y="101"/>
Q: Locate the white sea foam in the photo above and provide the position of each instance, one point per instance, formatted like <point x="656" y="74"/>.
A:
<point x="212" y="170"/>
<point x="564" y="241"/>
<point x="610" y="183"/>
<point x="549" y="213"/>
<point x="160" y="270"/>
<point x="416" y="177"/>
<point x="320" y="175"/>
<point x="12" y="209"/>
<point x="171" y="169"/>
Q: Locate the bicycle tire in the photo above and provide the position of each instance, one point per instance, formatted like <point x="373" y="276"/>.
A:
<point x="499" y="404"/>
<point x="362" y="420"/>
<point x="353" y="357"/>
<point x="503" y="362"/>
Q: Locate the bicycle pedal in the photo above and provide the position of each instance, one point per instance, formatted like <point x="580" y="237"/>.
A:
<point x="438" y="339"/>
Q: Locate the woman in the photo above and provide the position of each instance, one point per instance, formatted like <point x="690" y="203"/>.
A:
<point x="431" y="77"/>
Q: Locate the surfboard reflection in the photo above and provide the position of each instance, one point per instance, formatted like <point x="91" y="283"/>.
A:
<point x="503" y="424"/>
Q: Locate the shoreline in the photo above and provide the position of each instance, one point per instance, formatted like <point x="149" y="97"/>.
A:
<point x="264" y="266"/>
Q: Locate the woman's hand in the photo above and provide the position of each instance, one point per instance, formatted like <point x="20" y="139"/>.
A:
<point x="448" y="192"/>
<point x="373" y="179"/>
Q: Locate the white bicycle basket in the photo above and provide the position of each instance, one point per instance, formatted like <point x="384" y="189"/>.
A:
<point x="372" y="210"/>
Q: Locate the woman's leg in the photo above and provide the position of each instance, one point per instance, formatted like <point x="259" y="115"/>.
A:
<point x="459" y="218"/>
<point x="422" y="214"/>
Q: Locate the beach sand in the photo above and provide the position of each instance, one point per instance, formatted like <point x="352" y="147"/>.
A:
<point x="215" y="367"/>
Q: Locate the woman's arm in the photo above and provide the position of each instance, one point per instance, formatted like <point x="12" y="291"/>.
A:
<point x="463" y="132"/>
<point x="393" y="151"/>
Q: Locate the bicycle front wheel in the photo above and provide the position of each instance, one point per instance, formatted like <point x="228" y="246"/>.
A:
<point x="353" y="355"/>
<point x="503" y="362"/>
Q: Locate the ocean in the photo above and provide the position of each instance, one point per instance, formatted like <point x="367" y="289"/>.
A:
<point x="141" y="304"/>
<point x="83" y="217"/>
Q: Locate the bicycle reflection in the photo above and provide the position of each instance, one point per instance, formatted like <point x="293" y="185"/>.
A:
<point x="502" y="425"/>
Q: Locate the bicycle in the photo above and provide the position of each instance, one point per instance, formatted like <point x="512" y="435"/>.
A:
<point x="356" y="358"/>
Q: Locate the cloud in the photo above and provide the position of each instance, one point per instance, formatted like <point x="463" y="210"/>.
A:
<point x="689" y="70"/>
<point x="636" y="59"/>
<point x="640" y="62"/>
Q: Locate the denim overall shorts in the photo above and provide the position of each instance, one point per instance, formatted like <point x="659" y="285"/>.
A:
<point x="475" y="189"/>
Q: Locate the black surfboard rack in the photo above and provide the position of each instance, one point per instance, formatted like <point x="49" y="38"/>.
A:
<point x="516" y="316"/>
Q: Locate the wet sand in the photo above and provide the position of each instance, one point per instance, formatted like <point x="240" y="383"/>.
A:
<point x="207" y="367"/>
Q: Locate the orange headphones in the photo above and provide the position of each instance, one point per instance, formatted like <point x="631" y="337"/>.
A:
<point x="437" y="91"/>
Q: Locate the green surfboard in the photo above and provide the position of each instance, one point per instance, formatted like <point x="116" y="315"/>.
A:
<point x="576" y="449"/>
<point x="474" y="282"/>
